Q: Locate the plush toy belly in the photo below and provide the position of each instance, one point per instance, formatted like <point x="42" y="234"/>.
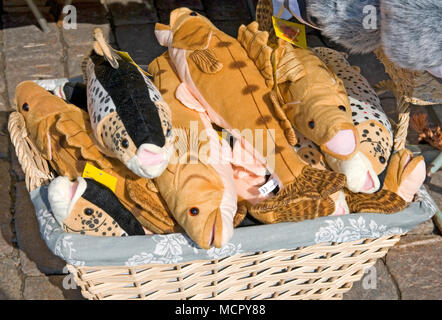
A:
<point x="374" y="129"/>
<point x="197" y="188"/>
<point x="129" y="118"/>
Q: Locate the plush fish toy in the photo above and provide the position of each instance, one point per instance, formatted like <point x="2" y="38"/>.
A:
<point x="130" y="120"/>
<point x="61" y="132"/>
<point x="88" y="207"/>
<point x="354" y="130"/>
<point x="373" y="126"/>
<point x="404" y="176"/>
<point x="208" y="74"/>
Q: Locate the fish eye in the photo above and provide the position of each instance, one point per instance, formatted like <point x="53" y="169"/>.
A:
<point x="25" y="107"/>
<point x="168" y="132"/>
<point x="193" y="14"/>
<point x="311" y="124"/>
<point x="125" y="143"/>
<point x="342" y="108"/>
<point x="382" y="159"/>
<point x="88" y="211"/>
<point x="194" y="211"/>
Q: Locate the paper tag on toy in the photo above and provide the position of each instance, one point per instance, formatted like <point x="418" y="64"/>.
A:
<point x="290" y="31"/>
<point x="126" y="57"/>
<point x="100" y="176"/>
<point x="268" y="187"/>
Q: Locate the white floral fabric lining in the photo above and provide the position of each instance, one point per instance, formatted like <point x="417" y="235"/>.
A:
<point x="83" y="250"/>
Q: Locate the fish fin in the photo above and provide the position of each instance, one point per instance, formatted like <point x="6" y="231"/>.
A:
<point x="206" y="61"/>
<point x="255" y="42"/>
<point x="84" y="63"/>
<point x="285" y="124"/>
<point x="103" y="48"/>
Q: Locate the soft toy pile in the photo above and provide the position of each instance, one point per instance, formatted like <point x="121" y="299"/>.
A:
<point x="178" y="148"/>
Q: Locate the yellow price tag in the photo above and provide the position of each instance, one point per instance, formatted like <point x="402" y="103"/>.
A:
<point x="100" y="176"/>
<point x="125" y="56"/>
<point x="290" y="31"/>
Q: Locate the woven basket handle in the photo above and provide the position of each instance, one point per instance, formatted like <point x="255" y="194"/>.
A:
<point x="34" y="166"/>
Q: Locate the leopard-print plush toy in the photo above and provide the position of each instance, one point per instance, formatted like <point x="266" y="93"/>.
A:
<point x="130" y="120"/>
<point x="88" y="207"/>
<point x="373" y="126"/>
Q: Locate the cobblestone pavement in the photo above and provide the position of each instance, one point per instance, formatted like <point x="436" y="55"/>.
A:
<point x="28" y="270"/>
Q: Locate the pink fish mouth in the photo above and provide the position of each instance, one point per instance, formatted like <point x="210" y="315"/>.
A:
<point x="149" y="158"/>
<point x="340" y="211"/>
<point x="212" y="236"/>
<point x="369" y="183"/>
<point x="343" y="143"/>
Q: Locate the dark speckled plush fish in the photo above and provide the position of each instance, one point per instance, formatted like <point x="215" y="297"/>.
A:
<point x="129" y="118"/>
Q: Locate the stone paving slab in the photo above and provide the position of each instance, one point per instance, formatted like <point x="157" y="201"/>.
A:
<point x="415" y="264"/>
<point x="228" y="10"/>
<point x="29" y="239"/>
<point x="376" y="284"/>
<point x="139" y="40"/>
<point x="425" y="228"/>
<point x="22" y="3"/>
<point x="42" y="67"/>
<point x="10" y="285"/>
<point x="172" y="4"/>
<point x="6" y="238"/>
<point x="4" y="105"/>
<point x="75" y="57"/>
<point x="5" y="188"/>
<point x="435" y="185"/>
<point x="133" y="12"/>
<point x="2" y="79"/>
<point x="84" y="34"/>
<point x="24" y="40"/>
<point x="4" y="138"/>
<point x="91" y="12"/>
<point x="49" y="288"/>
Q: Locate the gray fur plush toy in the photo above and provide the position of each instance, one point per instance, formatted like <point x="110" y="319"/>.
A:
<point x="410" y="31"/>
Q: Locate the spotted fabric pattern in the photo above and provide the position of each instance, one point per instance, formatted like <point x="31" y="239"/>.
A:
<point x="375" y="144"/>
<point x="365" y="104"/>
<point x="113" y="133"/>
<point x="99" y="102"/>
<point x="154" y="94"/>
<point x="96" y="223"/>
<point x="309" y="152"/>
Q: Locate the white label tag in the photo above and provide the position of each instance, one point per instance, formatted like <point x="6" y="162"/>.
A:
<point x="268" y="187"/>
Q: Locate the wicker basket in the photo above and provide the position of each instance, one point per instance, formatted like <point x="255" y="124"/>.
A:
<point x="322" y="271"/>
